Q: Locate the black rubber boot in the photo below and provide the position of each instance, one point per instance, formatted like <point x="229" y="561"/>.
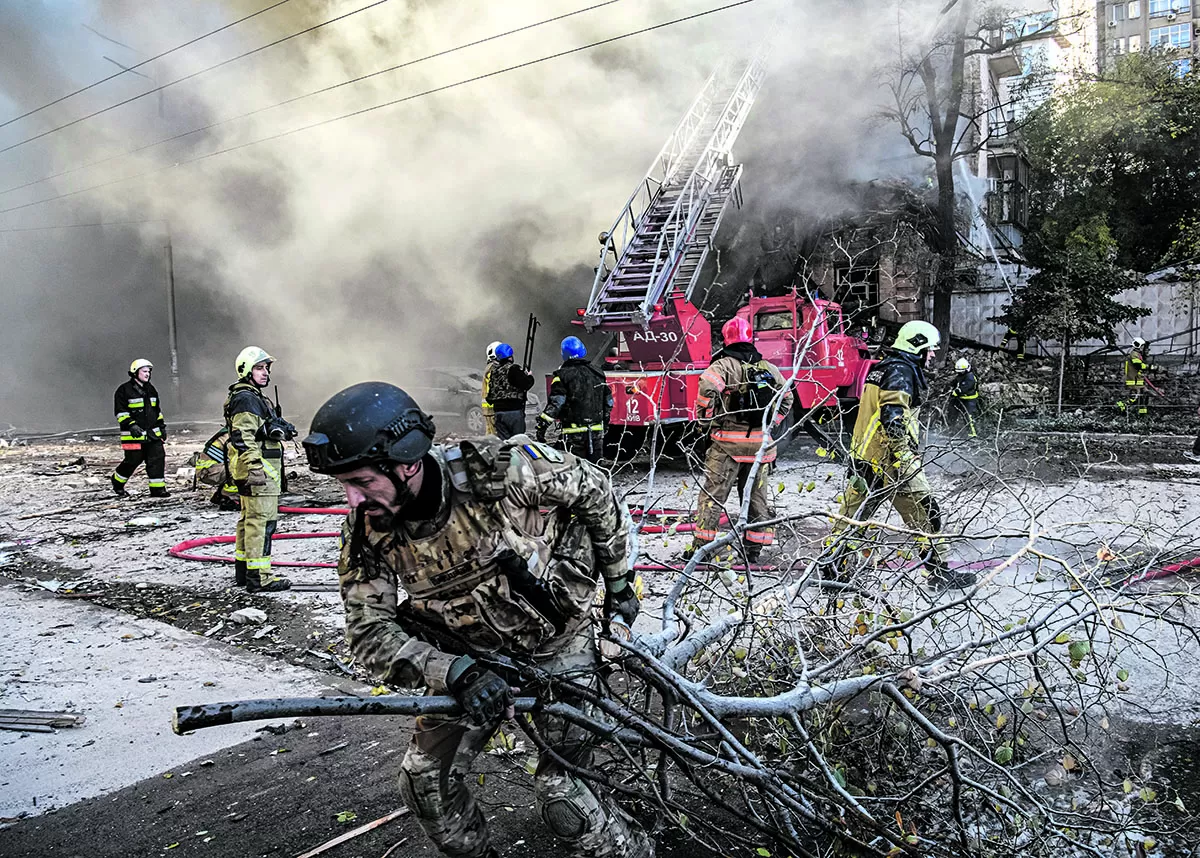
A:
<point x="159" y="492"/>
<point x="239" y="573"/>
<point x="941" y="577"/>
<point x="273" y="585"/>
<point x="118" y="487"/>
<point x="753" y="553"/>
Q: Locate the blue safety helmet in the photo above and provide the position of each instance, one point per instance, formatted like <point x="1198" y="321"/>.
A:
<point x="504" y="351"/>
<point x="573" y="347"/>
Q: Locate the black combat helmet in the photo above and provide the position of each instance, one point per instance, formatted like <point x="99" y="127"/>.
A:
<point x="368" y="424"/>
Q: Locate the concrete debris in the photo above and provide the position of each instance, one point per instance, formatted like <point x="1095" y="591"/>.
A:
<point x="249" y="615"/>
<point x="144" y="521"/>
<point x="264" y="631"/>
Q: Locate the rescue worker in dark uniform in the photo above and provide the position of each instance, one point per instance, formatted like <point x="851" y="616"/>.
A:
<point x="143" y="431"/>
<point x="1017" y="339"/>
<point x="884" y="465"/>
<point x="255" y="459"/>
<point x="734" y="393"/>
<point x="460" y="563"/>
<point x="506" y="385"/>
<point x="1137" y="365"/>
<point x="964" y="396"/>
<point x="580" y="401"/>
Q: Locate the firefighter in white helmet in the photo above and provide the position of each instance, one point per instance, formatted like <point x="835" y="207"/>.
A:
<point x="139" y="416"/>
<point x="1137" y="367"/>
<point x="884" y="465"/>
<point x="489" y="414"/>
<point x="255" y="457"/>
<point x="964" y="396"/>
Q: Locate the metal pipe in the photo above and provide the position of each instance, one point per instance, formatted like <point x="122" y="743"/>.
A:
<point x="172" y="331"/>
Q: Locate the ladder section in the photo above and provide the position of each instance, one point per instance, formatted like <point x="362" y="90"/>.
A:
<point x="664" y="246"/>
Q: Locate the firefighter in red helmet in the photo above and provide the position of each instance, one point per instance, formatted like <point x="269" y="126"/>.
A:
<point x="742" y="395"/>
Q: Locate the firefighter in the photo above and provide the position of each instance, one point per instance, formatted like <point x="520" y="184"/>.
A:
<point x="580" y="401"/>
<point x="1137" y="365"/>
<point x="1017" y="339"/>
<point x="255" y="460"/>
<point x="489" y="417"/>
<point x="142" y="430"/>
<point x="506" y="384"/>
<point x="964" y="401"/>
<point x="883" y="464"/>
<point x="457" y="560"/>
<point x="735" y="393"/>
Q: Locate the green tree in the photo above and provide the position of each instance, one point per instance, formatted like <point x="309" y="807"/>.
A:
<point x="1125" y="148"/>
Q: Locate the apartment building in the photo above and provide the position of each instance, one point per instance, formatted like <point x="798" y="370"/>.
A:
<point x="1134" y="25"/>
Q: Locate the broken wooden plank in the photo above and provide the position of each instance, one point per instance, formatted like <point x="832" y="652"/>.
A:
<point x="20" y="727"/>
<point x="37" y="716"/>
<point x="59" y="511"/>
<point x="350" y="835"/>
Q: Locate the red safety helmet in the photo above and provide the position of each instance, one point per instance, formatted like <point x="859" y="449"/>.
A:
<point x="736" y="330"/>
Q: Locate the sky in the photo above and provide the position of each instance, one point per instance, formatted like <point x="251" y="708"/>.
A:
<point x="403" y="237"/>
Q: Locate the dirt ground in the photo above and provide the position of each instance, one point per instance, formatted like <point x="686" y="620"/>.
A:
<point x="96" y="617"/>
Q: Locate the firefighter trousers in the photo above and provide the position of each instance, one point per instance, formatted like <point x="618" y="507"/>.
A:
<point x="963" y="411"/>
<point x="721" y="473"/>
<point x="149" y="451"/>
<point x="1135" y="400"/>
<point x="868" y="487"/>
<point x="255" y="529"/>
<point x="433" y="774"/>
<point x="587" y="445"/>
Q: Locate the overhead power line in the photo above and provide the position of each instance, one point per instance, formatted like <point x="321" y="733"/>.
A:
<point x="391" y="103"/>
<point x="76" y="225"/>
<point x="194" y="74"/>
<point x="294" y="99"/>
<point x="159" y="56"/>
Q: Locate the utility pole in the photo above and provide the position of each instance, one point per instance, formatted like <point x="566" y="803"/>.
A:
<point x="172" y="331"/>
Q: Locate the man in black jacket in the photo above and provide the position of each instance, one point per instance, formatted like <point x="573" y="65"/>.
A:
<point x="143" y="431"/>
<point x="507" y="384"/>
<point x="580" y="401"/>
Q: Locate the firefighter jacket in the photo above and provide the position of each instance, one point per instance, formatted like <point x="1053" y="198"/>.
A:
<point x="966" y="388"/>
<point x="1136" y="367"/>
<point x="514" y="540"/>
<point x="138" y="414"/>
<point x="888" y="427"/>
<point x="247" y="413"/>
<point x="579" y="398"/>
<point x="505" y="385"/>
<point x="738" y="431"/>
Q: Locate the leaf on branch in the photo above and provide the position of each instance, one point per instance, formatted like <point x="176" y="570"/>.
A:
<point x="1001" y="720"/>
<point x="1003" y="754"/>
<point x="1146" y="794"/>
<point x="1122" y="674"/>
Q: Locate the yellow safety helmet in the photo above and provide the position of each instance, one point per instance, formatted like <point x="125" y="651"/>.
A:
<point x="247" y="359"/>
<point x="138" y="364"/>
<point x="917" y="337"/>
<point x="962" y="365"/>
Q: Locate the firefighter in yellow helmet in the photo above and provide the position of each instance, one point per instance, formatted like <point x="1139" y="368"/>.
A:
<point x="884" y="465"/>
<point x="143" y="431"/>
<point x="255" y="456"/>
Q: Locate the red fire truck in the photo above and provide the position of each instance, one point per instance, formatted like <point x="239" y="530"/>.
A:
<point x="652" y="259"/>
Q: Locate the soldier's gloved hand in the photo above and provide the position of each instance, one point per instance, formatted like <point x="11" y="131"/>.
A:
<point x="256" y="477"/>
<point x="621" y="604"/>
<point x="484" y="696"/>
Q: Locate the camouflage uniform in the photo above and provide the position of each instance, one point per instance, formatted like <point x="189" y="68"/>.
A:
<point x="250" y="451"/>
<point x="736" y="439"/>
<point x="489" y="415"/>
<point x="883" y="461"/>
<point x="505" y="384"/>
<point x="464" y="596"/>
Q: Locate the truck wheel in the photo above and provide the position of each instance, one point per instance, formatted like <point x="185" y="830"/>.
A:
<point x="622" y="443"/>
<point x="474" y="418"/>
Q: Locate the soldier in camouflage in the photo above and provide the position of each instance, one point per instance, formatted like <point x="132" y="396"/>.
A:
<point x="458" y="560"/>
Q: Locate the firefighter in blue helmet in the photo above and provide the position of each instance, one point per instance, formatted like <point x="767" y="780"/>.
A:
<point x="580" y="402"/>
<point x="507" y="384"/>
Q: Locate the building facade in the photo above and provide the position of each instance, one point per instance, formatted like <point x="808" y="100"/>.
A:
<point x="1133" y="25"/>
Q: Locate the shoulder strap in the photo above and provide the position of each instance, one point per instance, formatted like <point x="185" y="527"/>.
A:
<point x="479" y="467"/>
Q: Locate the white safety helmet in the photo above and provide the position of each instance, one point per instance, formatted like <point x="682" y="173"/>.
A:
<point x="491" y="350"/>
<point x="247" y="359"/>
<point x="138" y="364"/>
<point x="962" y="365"/>
<point x="1139" y="343"/>
<point x="917" y="338"/>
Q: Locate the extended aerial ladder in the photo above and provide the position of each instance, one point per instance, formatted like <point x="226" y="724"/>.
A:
<point x="659" y="242"/>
